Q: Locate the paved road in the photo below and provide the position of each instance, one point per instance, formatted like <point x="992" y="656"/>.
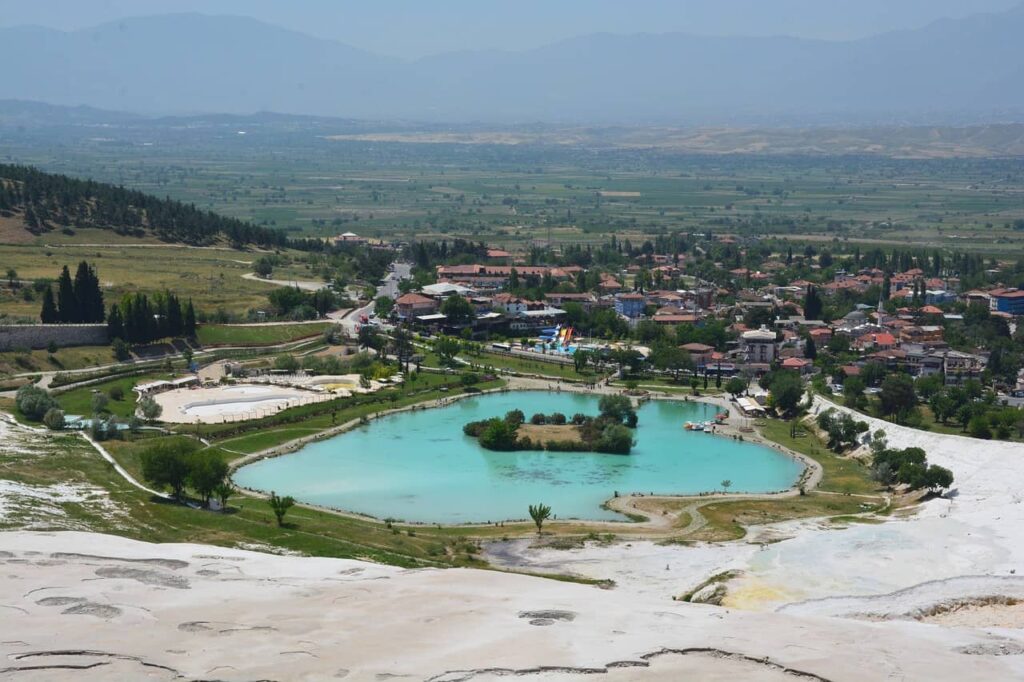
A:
<point x="305" y="285"/>
<point x="399" y="272"/>
<point x="388" y="287"/>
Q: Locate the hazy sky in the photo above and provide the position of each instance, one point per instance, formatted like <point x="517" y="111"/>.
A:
<point x="413" y="28"/>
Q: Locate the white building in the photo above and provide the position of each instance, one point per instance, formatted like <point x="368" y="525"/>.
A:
<point x="758" y="346"/>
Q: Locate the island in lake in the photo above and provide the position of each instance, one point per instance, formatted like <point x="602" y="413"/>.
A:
<point x="609" y="432"/>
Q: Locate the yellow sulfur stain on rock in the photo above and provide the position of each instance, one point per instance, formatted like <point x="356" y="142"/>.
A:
<point x="753" y="594"/>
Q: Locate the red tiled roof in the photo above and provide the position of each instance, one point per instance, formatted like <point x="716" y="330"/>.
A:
<point x="413" y="299"/>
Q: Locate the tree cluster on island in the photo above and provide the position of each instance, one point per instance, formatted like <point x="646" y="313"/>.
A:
<point x="609" y="432"/>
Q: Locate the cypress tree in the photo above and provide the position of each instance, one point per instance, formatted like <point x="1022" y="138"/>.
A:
<point x="175" y="324"/>
<point x="88" y="294"/>
<point x="115" y="323"/>
<point x="49" y="314"/>
<point x="190" y="320"/>
<point x="810" y="349"/>
<point x="83" y="294"/>
<point x="67" y="304"/>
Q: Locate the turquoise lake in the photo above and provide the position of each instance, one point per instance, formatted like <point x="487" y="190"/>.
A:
<point x="419" y="466"/>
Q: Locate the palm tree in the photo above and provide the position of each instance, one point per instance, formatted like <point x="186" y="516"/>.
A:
<point x="280" y="506"/>
<point x="539" y="513"/>
<point x="223" y="491"/>
<point x="726" y="484"/>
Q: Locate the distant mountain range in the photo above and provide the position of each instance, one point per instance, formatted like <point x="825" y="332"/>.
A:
<point x="952" y="71"/>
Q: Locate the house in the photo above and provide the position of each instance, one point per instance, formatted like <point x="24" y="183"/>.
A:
<point x="875" y="342"/>
<point x="821" y="335"/>
<point x="960" y="366"/>
<point x="585" y="301"/>
<point x="445" y="289"/>
<point x="630" y="306"/>
<point x="512" y="304"/>
<point x="801" y="365"/>
<point x="758" y="346"/>
<point x="415" y="305"/>
<point x="349" y="238"/>
<point x="536" y="319"/>
<point x="700" y="353"/>
<point x="938" y="296"/>
<point x="1010" y="301"/>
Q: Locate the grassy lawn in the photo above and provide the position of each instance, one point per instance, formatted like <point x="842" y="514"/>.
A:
<point x="79" y="357"/>
<point x="530" y="366"/>
<point x="728" y="520"/>
<point x="255" y="442"/>
<point x="840" y="474"/>
<point x="257" y="335"/>
<point x="79" y="400"/>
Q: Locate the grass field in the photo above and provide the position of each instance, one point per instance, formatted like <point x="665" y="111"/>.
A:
<point x="78" y="357"/>
<point x="79" y="400"/>
<point x="529" y="366"/>
<point x="211" y="277"/>
<point x="840" y="474"/>
<point x="257" y="335"/>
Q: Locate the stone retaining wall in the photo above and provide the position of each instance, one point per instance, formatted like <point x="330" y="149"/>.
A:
<point x="18" y="336"/>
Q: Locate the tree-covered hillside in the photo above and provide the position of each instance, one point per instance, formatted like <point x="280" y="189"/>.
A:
<point x="45" y="201"/>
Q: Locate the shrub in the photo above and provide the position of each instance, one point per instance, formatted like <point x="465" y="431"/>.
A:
<point x="515" y="417"/>
<point x="498" y="435"/>
<point x="34" y="402"/>
<point x="538" y="419"/>
<point x="99" y="402"/>
<point x="615" y="406"/>
<point x="116" y="393"/>
<point x="978" y="427"/>
<point x="54" y="418"/>
<point x="557" y="418"/>
<point x="150" y="408"/>
<point x="615" y="439"/>
<point x="122" y="351"/>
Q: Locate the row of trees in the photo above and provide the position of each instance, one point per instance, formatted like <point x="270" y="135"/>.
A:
<point x="140" y="319"/>
<point x="77" y="301"/>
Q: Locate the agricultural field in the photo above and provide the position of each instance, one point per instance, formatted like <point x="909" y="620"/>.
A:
<point x="314" y="183"/>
